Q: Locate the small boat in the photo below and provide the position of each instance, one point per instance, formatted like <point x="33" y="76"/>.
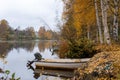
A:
<point x="60" y="64"/>
<point x="56" y="67"/>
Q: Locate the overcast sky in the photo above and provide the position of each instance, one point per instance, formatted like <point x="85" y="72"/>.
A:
<point x="35" y="13"/>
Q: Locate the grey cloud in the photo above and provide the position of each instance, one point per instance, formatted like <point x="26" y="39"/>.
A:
<point x="26" y="13"/>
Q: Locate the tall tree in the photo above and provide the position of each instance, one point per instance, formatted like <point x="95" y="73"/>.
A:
<point x="48" y="34"/>
<point x="31" y="32"/>
<point x="4" y="28"/>
<point x="98" y="22"/>
<point x="104" y="8"/>
<point x="115" y="21"/>
<point x="41" y="32"/>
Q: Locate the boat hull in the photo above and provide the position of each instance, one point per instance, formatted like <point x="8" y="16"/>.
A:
<point x="51" y="65"/>
<point x="60" y="63"/>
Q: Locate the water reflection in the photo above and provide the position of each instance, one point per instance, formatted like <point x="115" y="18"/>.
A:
<point x="44" y="45"/>
<point x="52" y="72"/>
<point x="28" y="46"/>
<point x="5" y="47"/>
<point x="15" y="55"/>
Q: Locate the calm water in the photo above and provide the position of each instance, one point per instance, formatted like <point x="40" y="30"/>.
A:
<point x="15" y="55"/>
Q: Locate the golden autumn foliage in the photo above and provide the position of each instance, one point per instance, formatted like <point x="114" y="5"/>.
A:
<point x="86" y="16"/>
<point x="78" y="18"/>
<point x="83" y="12"/>
<point x="4" y="29"/>
<point x="63" y="48"/>
<point x="79" y="13"/>
<point x="47" y="34"/>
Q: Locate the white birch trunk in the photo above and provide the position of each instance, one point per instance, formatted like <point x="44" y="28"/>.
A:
<point x="98" y="22"/>
<point x="115" y="21"/>
<point x="88" y="32"/>
<point x="104" y="7"/>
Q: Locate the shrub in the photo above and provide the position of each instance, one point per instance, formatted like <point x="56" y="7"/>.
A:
<point x="81" y="48"/>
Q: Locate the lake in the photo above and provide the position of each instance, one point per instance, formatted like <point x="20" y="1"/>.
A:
<point x="15" y="55"/>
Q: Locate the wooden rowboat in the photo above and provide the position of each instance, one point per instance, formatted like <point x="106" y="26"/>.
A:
<point x="66" y="64"/>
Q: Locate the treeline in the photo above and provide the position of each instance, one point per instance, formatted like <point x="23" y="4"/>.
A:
<point x="8" y="33"/>
<point x="44" y="34"/>
<point x="90" y="21"/>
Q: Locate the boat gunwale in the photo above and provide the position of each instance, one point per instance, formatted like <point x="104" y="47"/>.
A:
<point x="61" y="62"/>
<point x="64" y="60"/>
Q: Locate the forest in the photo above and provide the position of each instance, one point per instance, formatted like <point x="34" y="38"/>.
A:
<point x="91" y="29"/>
<point x="89" y="22"/>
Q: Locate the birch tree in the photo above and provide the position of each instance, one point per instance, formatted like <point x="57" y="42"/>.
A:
<point x="115" y="21"/>
<point x="104" y="8"/>
<point x="98" y="22"/>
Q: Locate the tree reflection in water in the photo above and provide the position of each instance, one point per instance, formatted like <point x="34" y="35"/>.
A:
<point x="44" y="45"/>
<point x="23" y="47"/>
<point x="6" y="47"/>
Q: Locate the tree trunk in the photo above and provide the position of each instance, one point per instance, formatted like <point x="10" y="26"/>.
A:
<point x="88" y="32"/>
<point x="98" y="22"/>
<point x="115" y="21"/>
<point x="104" y="7"/>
